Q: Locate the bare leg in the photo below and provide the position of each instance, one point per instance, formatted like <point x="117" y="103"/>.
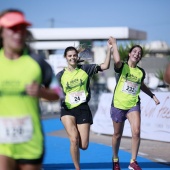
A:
<point x="135" y="121"/>
<point x="84" y="130"/>
<point x="72" y="131"/>
<point x="7" y="163"/>
<point x="29" y="167"/>
<point x="116" y="139"/>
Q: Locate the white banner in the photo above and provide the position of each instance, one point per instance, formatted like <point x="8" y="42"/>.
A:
<point x="155" y="120"/>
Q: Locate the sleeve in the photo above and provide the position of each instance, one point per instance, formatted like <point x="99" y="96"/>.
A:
<point x="47" y="72"/>
<point x="91" y="69"/>
<point x="144" y="74"/>
<point x="48" y="78"/>
<point x="58" y="77"/>
<point x="118" y="70"/>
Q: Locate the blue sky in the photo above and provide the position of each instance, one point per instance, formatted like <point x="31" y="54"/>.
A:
<point x="152" y="16"/>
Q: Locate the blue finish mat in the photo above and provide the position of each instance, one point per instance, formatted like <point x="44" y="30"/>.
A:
<point x="97" y="156"/>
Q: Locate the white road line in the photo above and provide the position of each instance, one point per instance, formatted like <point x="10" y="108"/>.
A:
<point x="122" y="148"/>
<point x="160" y="160"/>
<point x="141" y="153"/>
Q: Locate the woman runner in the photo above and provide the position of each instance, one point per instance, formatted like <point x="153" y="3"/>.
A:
<point x="75" y="112"/>
<point x="126" y="101"/>
<point x="22" y="72"/>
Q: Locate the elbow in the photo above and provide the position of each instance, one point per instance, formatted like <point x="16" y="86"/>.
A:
<point x="117" y="62"/>
<point x="107" y="67"/>
<point x="103" y="67"/>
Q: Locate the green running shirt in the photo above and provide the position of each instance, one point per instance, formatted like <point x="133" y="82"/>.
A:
<point x="129" y="80"/>
<point x="75" y="84"/>
<point x="20" y="128"/>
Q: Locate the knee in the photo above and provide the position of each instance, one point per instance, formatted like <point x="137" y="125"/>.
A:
<point x="74" y="141"/>
<point x="117" y="136"/>
<point x="136" y="133"/>
<point x="83" y="146"/>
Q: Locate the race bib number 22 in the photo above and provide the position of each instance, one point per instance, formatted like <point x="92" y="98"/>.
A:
<point x="130" y="87"/>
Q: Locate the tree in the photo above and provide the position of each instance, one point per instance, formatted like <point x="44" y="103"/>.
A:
<point x="124" y="50"/>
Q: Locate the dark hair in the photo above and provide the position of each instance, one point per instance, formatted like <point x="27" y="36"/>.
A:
<point x="70" y="49"/>
<point x="78" y="51"/>
<point x="29" y="36"/>
<point x="134" y="46"/>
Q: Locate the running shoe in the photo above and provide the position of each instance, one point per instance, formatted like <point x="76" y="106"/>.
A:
<point x="116" y="166"/>
<point x="134" y="166"/>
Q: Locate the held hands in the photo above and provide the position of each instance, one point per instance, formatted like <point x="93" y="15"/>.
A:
<point x="156" y="100"/>
<point x="112" y="41"/>
<point x="109" y="44"/>
<point x="33" y="89"/>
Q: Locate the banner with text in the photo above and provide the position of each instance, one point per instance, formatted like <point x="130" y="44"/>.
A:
<point x="155" y="119"/>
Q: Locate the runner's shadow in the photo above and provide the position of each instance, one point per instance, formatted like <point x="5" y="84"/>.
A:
<point x="105" y="165"/>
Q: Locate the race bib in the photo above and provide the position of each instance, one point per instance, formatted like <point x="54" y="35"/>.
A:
<point x="77" y="97"/>
<point x="16" y="130"/>
<point x="130" y="87"/>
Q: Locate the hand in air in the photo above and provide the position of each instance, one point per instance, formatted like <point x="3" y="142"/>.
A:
<point x="112" y="40"/>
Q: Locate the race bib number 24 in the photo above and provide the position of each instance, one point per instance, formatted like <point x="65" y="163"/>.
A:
<point x="77" y="97"/>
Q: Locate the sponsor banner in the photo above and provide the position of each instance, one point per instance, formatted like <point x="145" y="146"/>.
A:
<point x="155" y="120"/>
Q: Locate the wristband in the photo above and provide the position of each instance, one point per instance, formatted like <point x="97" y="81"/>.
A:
<point x="152" y="95"/>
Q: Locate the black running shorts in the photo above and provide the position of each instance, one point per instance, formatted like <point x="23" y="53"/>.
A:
<point x="82" y="113"/>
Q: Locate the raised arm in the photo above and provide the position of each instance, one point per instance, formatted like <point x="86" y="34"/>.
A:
<point x="146" y="90"/>
<point x="106" y="64"/>
<point x="116" y="56"/>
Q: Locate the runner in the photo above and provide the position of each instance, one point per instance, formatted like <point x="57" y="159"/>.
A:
<point x="21" y="74"/>
<point x="75" y="112"/>
<point x="126" y="101"/>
